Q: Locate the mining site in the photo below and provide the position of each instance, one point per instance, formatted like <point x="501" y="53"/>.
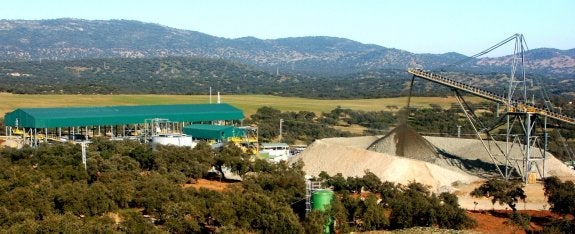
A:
<point x="445" y="164"/>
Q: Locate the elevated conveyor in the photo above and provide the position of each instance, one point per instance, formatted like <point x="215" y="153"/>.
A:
<point x="513" y="105"/>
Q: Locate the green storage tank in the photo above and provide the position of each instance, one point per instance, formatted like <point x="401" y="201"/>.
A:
<point x="321" y="200"/>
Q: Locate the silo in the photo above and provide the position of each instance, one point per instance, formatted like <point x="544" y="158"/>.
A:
<point x="321" y="200"/>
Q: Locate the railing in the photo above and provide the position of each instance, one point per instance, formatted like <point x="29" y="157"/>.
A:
<point x="457" y="85"/>
<point x="514" y="105"/>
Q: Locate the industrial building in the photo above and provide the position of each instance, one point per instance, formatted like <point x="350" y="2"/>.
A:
<point x="36" y="125"/>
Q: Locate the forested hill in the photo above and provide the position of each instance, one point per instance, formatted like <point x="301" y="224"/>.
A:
<point x="128" y="75"/>
<point x="184" y="75"/>
<point x="72" y="39"/>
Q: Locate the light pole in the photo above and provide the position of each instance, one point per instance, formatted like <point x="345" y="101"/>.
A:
<point x="281" y="129"/>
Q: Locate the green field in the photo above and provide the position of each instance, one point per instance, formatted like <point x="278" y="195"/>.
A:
<point x="248" y="103"/>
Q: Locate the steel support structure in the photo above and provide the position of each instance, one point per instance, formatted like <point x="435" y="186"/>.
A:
<point x="525" y="123"/>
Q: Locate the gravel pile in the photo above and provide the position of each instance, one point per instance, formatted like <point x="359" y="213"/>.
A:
<point x="471" y="156"/>
<point x="406" y="142"/>
<point x="403" y="156"/>
<point x="352" y="160"/>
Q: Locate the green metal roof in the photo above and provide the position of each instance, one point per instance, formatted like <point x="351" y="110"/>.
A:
<point x="115" y="115"/>
<point x="208" y="131"/>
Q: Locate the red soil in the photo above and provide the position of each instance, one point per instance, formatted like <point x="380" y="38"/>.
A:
<point x="497" y="221"/>
<point x="209" y="184"/>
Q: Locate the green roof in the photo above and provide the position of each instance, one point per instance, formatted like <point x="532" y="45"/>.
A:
<point x="208" y="131"/>
<point x="116" y="115"/>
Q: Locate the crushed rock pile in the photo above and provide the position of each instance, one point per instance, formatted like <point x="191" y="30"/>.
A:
<point x="403" y="156"/>
<point x="406" y="142"/>
<point x="334" y="156"/>
<point x="472" y="156"/>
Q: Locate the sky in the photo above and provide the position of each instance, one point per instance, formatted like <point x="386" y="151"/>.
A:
<point x="419" y="26"/>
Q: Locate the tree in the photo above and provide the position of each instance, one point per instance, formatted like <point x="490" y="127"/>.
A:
<point x="502" y="191"/>
<point x="314" y="222"/>
<point x="340" y="216"/>
<point x="256" y="211"/>
<point x="134" y="222"/>
<point x="181" y="217"/>
<point x="450" y="215"/>
<point x="374" y="215"/>
<point x="121" y="186"/>
<point x="153" y="190"/>
<point x="351" y="205"/>
<point x="233" y="158"/>
<point x="190" y="163"/>
<point x="144" y="155"/>
<point x="71" y="197"/>
<point x="267" y="119"/>
<point x="98" y="199"/>
<point x="370" y="181"/>
<point x="337" y="182"/>
<point x="60" y="223"/>
<point x="561" y="195"/>
<point x="413" y="207"/>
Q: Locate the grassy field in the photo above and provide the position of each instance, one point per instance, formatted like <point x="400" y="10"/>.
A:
<point x="248" y="103"/>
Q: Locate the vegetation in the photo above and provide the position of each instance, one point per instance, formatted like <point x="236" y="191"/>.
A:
<point x="247" y="103"/>
<point x="47" y="189"/>
<point x="193" y="76"/>
<point x="502" y="191"/>
<point x="393" y="206"/>
<point x="305" y="126"/>
<point x="302" y="126"/>
<point x="129" y="187"/>
<point x="561" y="196"/>
<point x="189" y="76"/>
<point x="65" y="39"/>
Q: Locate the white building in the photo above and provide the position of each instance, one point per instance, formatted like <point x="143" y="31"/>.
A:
<point x="275" y="151"/>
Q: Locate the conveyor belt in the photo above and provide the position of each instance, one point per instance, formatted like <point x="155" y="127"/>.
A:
<point x="514" y="105"/>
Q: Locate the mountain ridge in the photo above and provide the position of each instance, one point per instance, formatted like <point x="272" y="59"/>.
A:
<point x="66" y="38"/>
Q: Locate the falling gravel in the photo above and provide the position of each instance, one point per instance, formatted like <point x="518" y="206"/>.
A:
<point x="404" y="141"/>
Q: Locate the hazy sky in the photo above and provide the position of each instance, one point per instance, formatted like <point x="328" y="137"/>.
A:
<point x="420" y="26"/>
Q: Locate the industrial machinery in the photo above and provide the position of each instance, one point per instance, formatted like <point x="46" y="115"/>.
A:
<point x="525" y="123"/>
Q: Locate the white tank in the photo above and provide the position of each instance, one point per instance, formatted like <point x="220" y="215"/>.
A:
<point x="174" y="139"/>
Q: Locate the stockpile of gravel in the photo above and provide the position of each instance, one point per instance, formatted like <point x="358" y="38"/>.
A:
<point x="403" y="156"/>
<point x="470" y="154"/>
<point x="351" y="159"/>
<point x="406" y="142"/>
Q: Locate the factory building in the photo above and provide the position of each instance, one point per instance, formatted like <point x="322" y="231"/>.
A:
<point x="35" y="125"/>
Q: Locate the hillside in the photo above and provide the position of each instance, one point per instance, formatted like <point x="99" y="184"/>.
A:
<point x="134" y="76"/>
<point x="192" y="75"/>
<point x="63" y="39"/>
<point x="184" y="75"/>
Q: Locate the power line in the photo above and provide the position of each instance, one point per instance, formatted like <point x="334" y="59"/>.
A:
<point x="515" y="36"/>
